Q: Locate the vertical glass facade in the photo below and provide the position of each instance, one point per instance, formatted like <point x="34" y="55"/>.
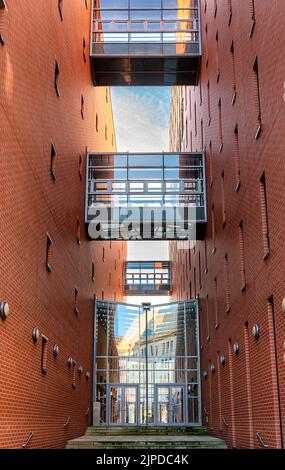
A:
<point x="147" y="364"/>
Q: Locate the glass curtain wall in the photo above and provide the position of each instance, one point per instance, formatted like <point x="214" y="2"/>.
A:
<point x="147" y="364"/>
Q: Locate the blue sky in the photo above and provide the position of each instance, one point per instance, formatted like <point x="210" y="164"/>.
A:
<point x="141" y="118"/>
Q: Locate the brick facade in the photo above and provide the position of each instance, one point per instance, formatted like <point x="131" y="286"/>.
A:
<point x="237" y="115"/>
<point x="50" y="113"/>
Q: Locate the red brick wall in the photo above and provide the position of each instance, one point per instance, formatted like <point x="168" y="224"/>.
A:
<point x="251" y="392"/>
<point x="32" y="118"/>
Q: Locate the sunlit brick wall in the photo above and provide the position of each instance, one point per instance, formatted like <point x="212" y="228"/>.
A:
<point x="237" y="114"/>
<point x="50" y="113"/>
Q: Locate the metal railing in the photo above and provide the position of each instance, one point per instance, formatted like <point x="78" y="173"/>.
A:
<point x="146" y="180"/>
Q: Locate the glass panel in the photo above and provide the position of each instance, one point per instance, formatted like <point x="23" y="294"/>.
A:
<point x="145" y="15"/>
<point x="146" y="160"/>
<point x="130" y="404"/>
<point x="147" y="4"/>
<point x="177" y="405"/>
<point x="116" y="405"/>
<point x="163" y="405"/>
<point x="111" y="15"/>
<point x="112" y="4"/>
<point x="135" y="347"/>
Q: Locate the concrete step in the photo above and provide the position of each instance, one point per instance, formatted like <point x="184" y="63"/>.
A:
<point x="146" y="430"/>
<point x="146" y="442"/>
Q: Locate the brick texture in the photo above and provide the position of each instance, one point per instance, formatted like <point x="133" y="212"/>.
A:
<point x="32" y="117"/>
<point x="245" y="396"/>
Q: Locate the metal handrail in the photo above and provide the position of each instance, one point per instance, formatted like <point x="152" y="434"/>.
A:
<point x="259" y="437"/>
<point x="67" y="422"/>
<point x="25" y="445"/>
<point x="225" y="422"/>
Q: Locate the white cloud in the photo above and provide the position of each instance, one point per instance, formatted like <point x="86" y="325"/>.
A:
<point x="141" y="119"/>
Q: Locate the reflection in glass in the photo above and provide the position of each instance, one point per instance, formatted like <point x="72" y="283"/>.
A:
<point x="141" y="363"/>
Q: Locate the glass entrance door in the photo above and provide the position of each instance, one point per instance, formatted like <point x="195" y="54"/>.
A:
<point x="123" y="405"/>
<point x="170" y="404"/>
<point x="147" y="369"/>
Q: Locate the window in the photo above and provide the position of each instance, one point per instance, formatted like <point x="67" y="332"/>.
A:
<point x="209" y="103"/>
<point x="220" y="125"/>
<point x="237" y="157"/>
<point x="80" y="166"/>
<point x="216" y="303"/>
<point x="207" y="317"/>
<point x="82" y="107"/>
<point x="78" y="231"/>
<point x="76" y="293"/>
<point x="215" y="8"/>
<point x="60" y="6"/>
<point x="242" y="256"/>
<point x="230" y="6"/>
<point x="202" y="134"/>
<point x="206" y="256"/>
<point x="264" y="217"/>
<point x="44" y="354"/>
<point x="49" y="244"/>
<point x="211" y="163"/>
<point x="234" y="91"/>
<point x="223" y="198"/>
<point x="84" y="49"/>
<point x="217" y="56"/>
<point x="73" y="374"/>
<point x="213" y="229"/>
<point x="56" y="78"/>
<point x="256" y="93"/>
<point x="251" y="17"/>
<point x="199" y="270"/>
<point x="52" y="162"/>
<point x="227" y="280"/>
<point x="93" y="272"/>
<point x="195" y="118"/>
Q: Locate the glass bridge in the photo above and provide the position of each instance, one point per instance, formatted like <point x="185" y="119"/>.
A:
<point x="146" y="196"/>
<point x="147" y="368"/>
<point x="145" y="42"/>
<point x="147" y="277"/>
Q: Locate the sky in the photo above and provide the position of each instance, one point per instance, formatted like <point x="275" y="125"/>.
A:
<point x="141" y="118"/>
